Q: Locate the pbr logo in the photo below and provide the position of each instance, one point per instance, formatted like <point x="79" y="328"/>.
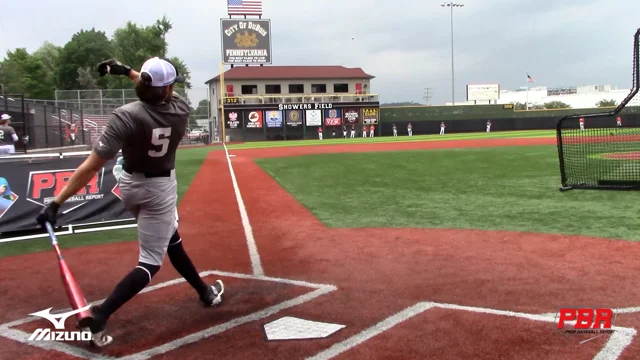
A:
<point x="44" y="186"/>
<point x="58" y="323"/>
<point x="593" y="322"/>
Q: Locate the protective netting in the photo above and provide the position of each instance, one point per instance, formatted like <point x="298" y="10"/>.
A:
<point x="604" y="151"/>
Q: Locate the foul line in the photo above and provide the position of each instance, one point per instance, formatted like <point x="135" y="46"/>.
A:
<point x="612" y="350"/>
<point x="256" y="264"/>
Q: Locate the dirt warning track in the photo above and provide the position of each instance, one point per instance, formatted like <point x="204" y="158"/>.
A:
<point x="399" y="293"/>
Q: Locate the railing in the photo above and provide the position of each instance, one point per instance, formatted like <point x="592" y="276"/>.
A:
<point x="238" y="99"/>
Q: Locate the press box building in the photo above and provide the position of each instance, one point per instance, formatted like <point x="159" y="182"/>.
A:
<point x="291" y="102"/>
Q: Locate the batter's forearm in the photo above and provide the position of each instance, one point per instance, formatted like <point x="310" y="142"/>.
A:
<point x="134" y="75"/>
<point x="78" y="180"/>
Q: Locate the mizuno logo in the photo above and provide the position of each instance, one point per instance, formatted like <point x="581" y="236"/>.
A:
<point x="58" y="319"/>
<point x="58" y="323"/>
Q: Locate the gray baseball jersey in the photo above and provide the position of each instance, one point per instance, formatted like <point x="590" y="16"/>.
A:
<point x="148" y="136"/>
<point x="6" y="135"/>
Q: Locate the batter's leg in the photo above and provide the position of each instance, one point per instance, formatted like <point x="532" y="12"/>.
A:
<point x="209" y="295"/>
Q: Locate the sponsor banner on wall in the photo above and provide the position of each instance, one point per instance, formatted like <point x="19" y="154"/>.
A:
<point x="313" y="117"/>
<point x="253" y="119"/>
<point x="246" y="41"/>
<point x="28" y="186"/>
<point x="232" y="119"/>
<point x="294" y="117"/>
<point x="273" y="118"/>
<point x="333" y="117"/>
<point x="351" y="116"/>
<point x="370" y="115"/>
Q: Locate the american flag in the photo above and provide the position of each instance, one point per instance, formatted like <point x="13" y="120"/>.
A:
<point x="244" y="7"/>
<point x="529" y="78"/>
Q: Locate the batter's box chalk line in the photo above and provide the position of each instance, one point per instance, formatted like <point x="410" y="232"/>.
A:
<point x="612" y="350"/>
<point x="8" y="331"/>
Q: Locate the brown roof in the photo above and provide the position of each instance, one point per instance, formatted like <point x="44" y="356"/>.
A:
<point x="292" y="72"/>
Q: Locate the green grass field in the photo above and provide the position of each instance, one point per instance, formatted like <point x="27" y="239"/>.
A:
<point x="387" y="139"/>
<point x="513" y="188"/>
<point x="488" y="188"/>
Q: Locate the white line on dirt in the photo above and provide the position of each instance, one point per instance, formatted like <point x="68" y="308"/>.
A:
<point x="7" y="331"/>
<point x="612" y="350"/>
<point x="367" y="334"/>
<point x="256" y="264"/>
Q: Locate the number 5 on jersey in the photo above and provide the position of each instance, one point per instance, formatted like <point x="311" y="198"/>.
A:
<point x="160" y="137"/>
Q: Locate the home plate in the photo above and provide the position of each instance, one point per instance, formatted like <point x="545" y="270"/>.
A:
<point x="292" y="328"/>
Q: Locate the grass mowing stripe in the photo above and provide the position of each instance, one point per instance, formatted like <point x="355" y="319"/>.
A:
<point x="482" y="188"/>
<point x="188" y="162"/>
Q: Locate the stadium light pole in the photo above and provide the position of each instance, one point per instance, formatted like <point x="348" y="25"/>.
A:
<point x="452" y="5"/>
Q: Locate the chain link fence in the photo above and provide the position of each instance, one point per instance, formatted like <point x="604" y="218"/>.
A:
<point x="97" y="102"/>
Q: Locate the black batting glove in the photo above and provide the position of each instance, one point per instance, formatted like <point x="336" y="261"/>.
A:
<point x="48" y="214"/>
<point x="113" y="67"/>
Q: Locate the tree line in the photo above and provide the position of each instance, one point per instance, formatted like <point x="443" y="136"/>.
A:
<point x="73" y="66"/>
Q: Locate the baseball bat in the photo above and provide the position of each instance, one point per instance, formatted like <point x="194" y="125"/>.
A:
<point x="74" y="293"/>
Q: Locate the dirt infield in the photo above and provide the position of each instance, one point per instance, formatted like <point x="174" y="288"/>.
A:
<point x="401" y="293"/>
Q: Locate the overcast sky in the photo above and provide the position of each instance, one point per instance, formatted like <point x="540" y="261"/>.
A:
<point x="405" y="44"/>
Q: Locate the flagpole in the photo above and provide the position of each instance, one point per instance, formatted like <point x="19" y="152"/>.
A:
<point x="527" y="102"/>
<point x="222" y="99"/>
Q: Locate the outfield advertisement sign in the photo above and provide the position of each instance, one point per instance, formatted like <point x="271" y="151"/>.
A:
<point x="370" y="116"/>
<point x="483" y="92"/>
<point x="26" y="186"/>
<point x="313" y="118"/>
<point x="333" y="117"/>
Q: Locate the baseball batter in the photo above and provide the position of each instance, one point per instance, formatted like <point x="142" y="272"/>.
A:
<point x="8" y="136"/>
<point x="148" y="132"/>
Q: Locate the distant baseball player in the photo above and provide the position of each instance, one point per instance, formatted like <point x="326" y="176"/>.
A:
<point x="619" y="121"/>
<point x="344" y="131"/>
<point x="333" y="132"/>
<point x="320" y="132"/>
<point x="72" y="131"/>
<point x="488" y="125"/>
<point x="148" y="132"/>
<point x="364" y="131"/>
<point x="353" y="131"/>
<point x="581" y="123"/>
<point x="395" y="130"/>
<point x="8" y="136"/>
<point x="371" y="130"/>
<point x="442" y="126"/>
<point x="410" y="129"/>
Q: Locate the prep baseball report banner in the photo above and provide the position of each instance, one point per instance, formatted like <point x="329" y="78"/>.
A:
<point x="29" y="184"/>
